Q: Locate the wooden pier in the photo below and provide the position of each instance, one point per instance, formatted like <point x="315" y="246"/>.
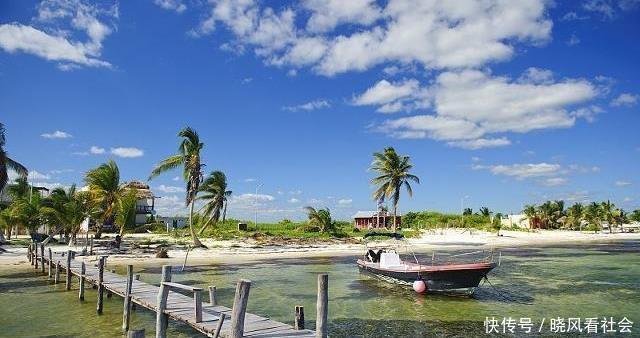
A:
<point x="211" y="319"/>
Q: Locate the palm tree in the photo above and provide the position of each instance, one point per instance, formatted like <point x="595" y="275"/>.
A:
<point x="531" y="213"/>
<point x="126" y="210"/>
<point x="545" y="213"/>
<point x="393" y="173"/>
<point x="67" y="209"/>
<point x="320" y="218"/>
<point x="7" y="163"/>
<point x="189" y="157"/>
<point x="484" y="211"/>
<point x="467" y="212"/>
<point x="105" y="190"/>
<point x="609" y="213"/>
<point x="27" y="212"/>
<point x="215" y="196"/>
<point x="593" y="215"/>
<point x="575" y="214"/>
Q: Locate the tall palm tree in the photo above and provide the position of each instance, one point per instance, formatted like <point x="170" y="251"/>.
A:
<point x="67" y="209"/>
<point x="531" y="213"/>
<point x="575" y="214"/>
<point x="215" y="196"/>
<point x="609" y="213"/>
<point x="7" y="163"/>
<point x="484" y="211"/>
<point x="545" y="213"/>
<point x="320" y="218"/>
<point x="126" y="211"/>
<point x="189" y="158"/>
<point x="105" y="190"/>
<point x="393" y="173"/>
<point x="593" y="214"/>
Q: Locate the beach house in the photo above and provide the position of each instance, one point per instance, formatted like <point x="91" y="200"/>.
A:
<point x="374" y="219"/>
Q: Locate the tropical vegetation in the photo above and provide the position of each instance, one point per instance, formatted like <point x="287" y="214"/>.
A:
<point x="392" y="172"/>
<point x="215" y="196"/>
<point x="7" y="163"/>
<point x="188" y="157"/>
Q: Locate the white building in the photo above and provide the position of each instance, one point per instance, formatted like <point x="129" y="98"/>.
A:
<point x="520" y="221"/>
<point x="173" y="222"/>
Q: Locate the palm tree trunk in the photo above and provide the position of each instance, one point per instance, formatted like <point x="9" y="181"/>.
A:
<point x="395" y="212"/>
<point x="204" y="227"/>
<point x="196" y="241"/>
<point x="98" y="231"/>
<point x="224" y="212"/>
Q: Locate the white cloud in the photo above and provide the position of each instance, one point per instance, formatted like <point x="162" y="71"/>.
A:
<point x="309" y="106"/>
<point x="174" y="5"/>
<point x="603" y="7"/>
<point x="471" y="104"/>
<point x="127" y="152"/>
<point x="51" y="36"/>
<point x="571" y="16"/>
<point x="249" y="180"/>
<point x="96" y="150"/>
<point x="252" y="198"/>
<point x="177" y="178"/>
<point x="622" y="183"/>
<point x="345" y="201"/>
<point x="327" y="14"/>
<point x="480" y="143"/>
<point x="58" y="134"/>
<point x="555" y="181"/>
<point x="625" y="99"/>
<point x="295" y="192"/>
<point x="170" y="189"/>
<point x="435" y="34"/>
<point x="393" y="97"/>
<point x="35" y="175"/>
<point x="171" y="205"/>
<point x="293" y="200"/>
<point x="573" y="40"/>
<point x="522" y="171"/>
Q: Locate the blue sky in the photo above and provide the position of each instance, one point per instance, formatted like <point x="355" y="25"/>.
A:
<point x="506" y="103"/>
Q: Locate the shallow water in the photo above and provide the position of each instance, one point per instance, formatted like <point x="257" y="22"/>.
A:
<point x="592" y="280"/>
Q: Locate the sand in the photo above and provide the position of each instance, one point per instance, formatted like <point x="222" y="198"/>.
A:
<point x="249" y="249"/>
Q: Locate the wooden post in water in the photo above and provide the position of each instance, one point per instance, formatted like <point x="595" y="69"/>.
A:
<point x="197" y="305"/>
<point x="91" y="247"/>
<point x="69" y="255"/>
<point x="162" y="319"/>
<point x="240" y="308"/>
<point x="100" y="285"/>
<point x="135" y="334"/>
<point x="29" y="252"/>
<point x="35" y="256"/>
<point x="50" y="263"/>
<point x="83" y="270"/>
<point x="127" y="299"/>
<point x="42" y="257"/>
<point x="299" y="320"/>
<point x="213" y="300"/>
<point x="322" y="306"/>
<point x="56" y="279"/>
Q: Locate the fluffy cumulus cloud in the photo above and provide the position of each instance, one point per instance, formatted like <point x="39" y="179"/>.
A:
<point x="522" y="171"/>
<point x="174" y="5"/>
<point x="309" y="106"/>
<point x="435" y="34"/>
<point x="169" y="189"/>
<point x="127" y="152"/>
<point x="96" y="150"/>
<point x="470" y="106"/>
<point x="625" y="99"/>
<point x="70" y="32"/>
<point x="56" y="134"/>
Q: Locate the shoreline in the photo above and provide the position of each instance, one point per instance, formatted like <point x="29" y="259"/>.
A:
<point x="230" y="251"/>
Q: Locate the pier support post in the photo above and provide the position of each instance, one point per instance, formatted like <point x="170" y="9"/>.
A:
<point x="100" y="284"/>
<point x="322" y="306"/>
<point x="299" y="320"/>
<point x="213" y="298"/>
<point x="42" y="257"/>
<point x="56" y="278"/>
<point x="91" y="246"/>
<point x="83" y="270"/>
<point x="35" y="256"/>
<point x="127" y="299"/>
<point x="135" y="334"/>
<point x="162" y="319"/>
<point x="240" y="308"/>
<point x="197" y="305"/>
<point x="29" y="252"/>
<point x="50" y="263"/>
<point x="68" y="276"/>
<point x="219" y="327"/>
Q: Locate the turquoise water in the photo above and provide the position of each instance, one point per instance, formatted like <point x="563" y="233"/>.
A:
<point x="592" y="280"/>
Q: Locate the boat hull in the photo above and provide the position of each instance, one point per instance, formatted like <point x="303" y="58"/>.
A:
<point x="462" y="278"/>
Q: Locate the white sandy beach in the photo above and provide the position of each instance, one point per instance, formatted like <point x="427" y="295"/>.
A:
<point x="250" y="249"/>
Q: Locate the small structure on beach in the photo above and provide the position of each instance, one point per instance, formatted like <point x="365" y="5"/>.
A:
<point x="173" y="221"/>
<point x="374" y="219"/>
<point x="146" y="201"/>
<point x="520" y="221"/>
